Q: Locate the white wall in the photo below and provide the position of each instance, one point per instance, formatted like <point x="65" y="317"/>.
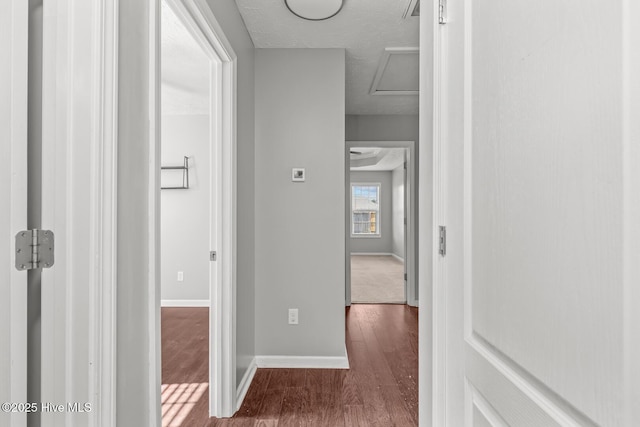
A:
<point x="185" y="213"/>
<point x="228" y="16"/>
<point x="384" y="243"/>
<point x="398" y="211"/>
<point x="300" y="227"/>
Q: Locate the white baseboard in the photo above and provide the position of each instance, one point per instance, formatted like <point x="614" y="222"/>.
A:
<point x="304" y="362"/>
<point x="184" y="303"/>
<point x="243" y="387"/>
<point x="397" y="257"/>
<point x="372" y="253"/>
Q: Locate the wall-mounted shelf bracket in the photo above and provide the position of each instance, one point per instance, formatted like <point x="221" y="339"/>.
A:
<point x="185" y="175"/>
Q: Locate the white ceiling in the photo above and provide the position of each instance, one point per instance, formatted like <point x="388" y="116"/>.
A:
<point x="364" y="27"/>
<point x="184" y="69"/>
<point x="376" y="159"/>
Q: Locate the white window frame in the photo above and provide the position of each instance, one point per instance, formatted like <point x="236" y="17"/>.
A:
<point x="377" y="235"/>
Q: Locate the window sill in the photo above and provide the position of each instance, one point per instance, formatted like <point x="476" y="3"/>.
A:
<point x="366" y="236"/>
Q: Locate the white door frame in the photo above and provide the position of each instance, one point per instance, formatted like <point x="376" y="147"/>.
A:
<point x="13" y="218"/>
<point x="197" y="17"/>
<point x="79" y="204"/>
<point x="411" y="205"/>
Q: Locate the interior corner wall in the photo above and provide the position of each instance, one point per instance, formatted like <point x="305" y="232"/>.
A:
<point x="398" y="211"/>
<point x="300" y="226"/>
<point x="185" y="213"/>
<point x="228" y="16"/>
<point x="384" y="243"/>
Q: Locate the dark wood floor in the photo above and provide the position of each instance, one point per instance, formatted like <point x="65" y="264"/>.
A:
<point x="380" y="389"/>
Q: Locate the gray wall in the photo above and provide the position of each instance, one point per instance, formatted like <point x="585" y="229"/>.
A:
<point x="382" y="128"/>
<point x="228" y="16"/>
<point x="398" y="214"/>
<point x="300" y="226"/>
<point x="384" y="243"/>
<point x="185" y="213"/>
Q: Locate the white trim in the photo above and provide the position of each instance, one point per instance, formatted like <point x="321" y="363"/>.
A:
<point x="382" y="66"/>
<point x="437" y="310"/>
<point x="429" y="63"/>
<point x="103" y="341"/>
<point x="397" y="257"/>
<point x="631" y="213"/>
<point x="13" y="217"/>
<point x="154" y="209"/>
<point x="372" y="253"/>
<point x="303" y="362"/>
<point x="184" y="303"/>
<point x="245" y="383"/>
<point x="199" y="20"/>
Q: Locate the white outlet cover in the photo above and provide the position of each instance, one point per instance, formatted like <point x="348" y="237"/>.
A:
<point x="293" y="316"/>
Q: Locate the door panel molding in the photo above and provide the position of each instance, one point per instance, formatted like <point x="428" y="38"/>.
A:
<point x="481" y="411"/>
<point x="558" y="410"/>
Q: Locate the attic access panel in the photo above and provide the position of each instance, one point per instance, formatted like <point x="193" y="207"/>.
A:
<point x="398" y="72"/>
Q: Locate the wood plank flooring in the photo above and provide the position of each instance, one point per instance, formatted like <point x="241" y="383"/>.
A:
<point x="380" y="389"/>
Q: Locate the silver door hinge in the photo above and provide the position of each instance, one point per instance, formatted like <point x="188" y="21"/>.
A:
<point x="405" y="277"/>
<point x="34" y="249"/>
<point x="443" y="241"/>
<point x="213" y="256"/>
<point x="442" y="12"/>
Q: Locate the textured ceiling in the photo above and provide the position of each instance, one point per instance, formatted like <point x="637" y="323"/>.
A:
<point x="184" y="69"/>
<point x="363" y="27"/>
<point x="377" y="159"/>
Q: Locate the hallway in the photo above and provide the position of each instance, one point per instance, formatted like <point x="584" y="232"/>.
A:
<point x="380" y="389"/>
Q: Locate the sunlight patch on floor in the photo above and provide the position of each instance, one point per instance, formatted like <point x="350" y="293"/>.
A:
<point x="178" y="400"/>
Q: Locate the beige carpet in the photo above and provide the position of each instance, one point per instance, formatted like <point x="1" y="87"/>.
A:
<point x="377" y="279"/>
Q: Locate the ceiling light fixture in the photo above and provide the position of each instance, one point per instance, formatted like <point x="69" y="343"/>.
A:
<point x="314" y="10"/>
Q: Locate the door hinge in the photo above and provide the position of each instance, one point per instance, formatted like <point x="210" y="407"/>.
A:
<point x="34" y="249"/>
<point x="442" y="12"/>
<point x="213" y="256"/>
<point x="443" y="240"/>
<point x="405" y="277"/>
<point x="405" y="165"/>
<point x="405" y="221"/>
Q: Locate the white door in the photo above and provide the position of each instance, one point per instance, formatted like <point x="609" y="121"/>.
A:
<point x="540" y="142"/>
<point x="13" y="213"/>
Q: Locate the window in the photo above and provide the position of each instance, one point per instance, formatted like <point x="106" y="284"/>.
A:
<point x="365" y="210"/>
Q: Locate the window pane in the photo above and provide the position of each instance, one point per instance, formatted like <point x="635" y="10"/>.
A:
<point x="365" y="207"/>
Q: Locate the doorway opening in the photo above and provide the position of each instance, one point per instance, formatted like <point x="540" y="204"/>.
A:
<point x="186" y="221"/>
<point x="380" y="217"/>
<point x="196" y="184"/>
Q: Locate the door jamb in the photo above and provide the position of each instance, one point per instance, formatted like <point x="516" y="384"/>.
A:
<point x="13" y="283"/>
<point x="411" y="256"/>
<point x="199" y="20"/>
